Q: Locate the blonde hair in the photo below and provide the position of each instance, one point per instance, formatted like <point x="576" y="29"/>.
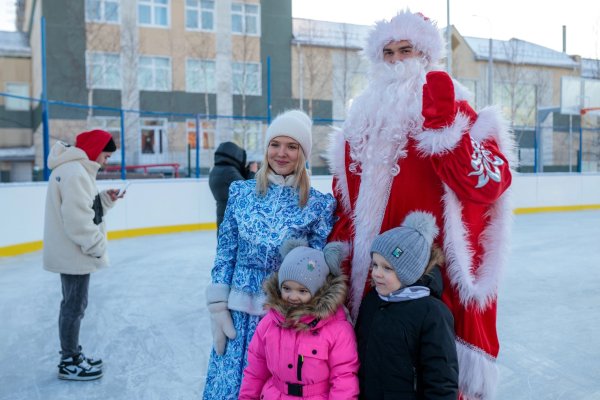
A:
<point x="300" y="173"/>
<point x="436" y="258"/>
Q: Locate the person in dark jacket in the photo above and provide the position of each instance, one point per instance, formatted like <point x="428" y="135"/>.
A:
<point x="405" y="333"/>
<point x="230" y="165"/>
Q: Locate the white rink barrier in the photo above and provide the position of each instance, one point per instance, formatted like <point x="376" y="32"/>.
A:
<point x="175" y="205"/>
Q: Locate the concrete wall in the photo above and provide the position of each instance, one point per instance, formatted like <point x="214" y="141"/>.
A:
<point x="171" y="205"/>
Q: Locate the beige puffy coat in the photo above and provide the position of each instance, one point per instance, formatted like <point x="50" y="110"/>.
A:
<point x="73" y="243"/>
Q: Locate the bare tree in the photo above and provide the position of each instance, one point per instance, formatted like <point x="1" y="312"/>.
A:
<point x="347" y="67"/>
<point x="245" y="50"/>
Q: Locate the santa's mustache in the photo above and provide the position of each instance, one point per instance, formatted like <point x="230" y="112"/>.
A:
<point x="398" y="72"/>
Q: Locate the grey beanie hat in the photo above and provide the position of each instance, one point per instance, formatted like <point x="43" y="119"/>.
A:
<point x="310" y="267"/>
<point x="408" y="247"/>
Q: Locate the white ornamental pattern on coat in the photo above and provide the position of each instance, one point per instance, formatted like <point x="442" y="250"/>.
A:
<point x="485" y="165"/>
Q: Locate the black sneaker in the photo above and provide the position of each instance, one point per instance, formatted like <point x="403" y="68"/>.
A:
<point x="77" y="369"/>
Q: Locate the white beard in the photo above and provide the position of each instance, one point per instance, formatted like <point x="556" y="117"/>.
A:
<point x="383" y="116"/>
<point x="377" y="130"/>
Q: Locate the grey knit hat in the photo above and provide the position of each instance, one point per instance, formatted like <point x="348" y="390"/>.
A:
<point x="408" y="247"/>
<point x="310" y="267"/>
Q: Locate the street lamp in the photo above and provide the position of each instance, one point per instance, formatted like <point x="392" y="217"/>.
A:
<point x="448" y="40"/>
<point x="490" y="74"/>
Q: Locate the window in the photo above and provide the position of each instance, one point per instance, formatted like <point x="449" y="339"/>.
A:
<point x="18" y="89"/>
<point x="154" y="73"/>
<point x="103" y="70"/>
<point x="102" y="11"/>
<point x="245" y="19"/>
<point x="200" y="14"/>
<point x="200" y="76"/>
<point x="248" y="135"/>
<point x="153" y="12"/>
<point x="207" y="133"/>
<point x="246" y="78"/>
<point x="153" y="140"/>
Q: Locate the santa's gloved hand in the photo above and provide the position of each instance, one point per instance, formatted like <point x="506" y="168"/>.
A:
<point x="221" y="325"/>
<point x="439" y="107"/>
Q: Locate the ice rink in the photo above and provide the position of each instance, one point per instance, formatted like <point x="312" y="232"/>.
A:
<point x="146" y="317"/>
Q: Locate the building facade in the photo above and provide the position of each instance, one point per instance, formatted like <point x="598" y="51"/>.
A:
<point x="155" y="69"/>
<point x="16" y="141"/>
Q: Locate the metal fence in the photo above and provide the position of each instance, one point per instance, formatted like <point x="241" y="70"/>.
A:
<point x="171" y="144"/>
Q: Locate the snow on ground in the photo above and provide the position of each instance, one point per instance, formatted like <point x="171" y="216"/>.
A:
<point x="146" y="317"/>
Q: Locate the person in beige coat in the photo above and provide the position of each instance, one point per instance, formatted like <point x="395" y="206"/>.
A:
<point x="75" y="238"/>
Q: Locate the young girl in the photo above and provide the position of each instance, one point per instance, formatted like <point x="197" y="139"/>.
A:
<point x="405" y="335"/>
<point x="304" y="347"/>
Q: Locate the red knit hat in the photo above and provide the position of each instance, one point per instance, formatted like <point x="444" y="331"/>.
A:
<point x="95" y="142"/>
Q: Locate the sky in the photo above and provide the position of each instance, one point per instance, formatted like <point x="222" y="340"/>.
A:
<point x="501" y="19"/>
<point x="7" y="15"/>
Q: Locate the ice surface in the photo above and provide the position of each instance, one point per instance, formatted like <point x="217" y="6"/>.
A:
<point x="146" y="317"/>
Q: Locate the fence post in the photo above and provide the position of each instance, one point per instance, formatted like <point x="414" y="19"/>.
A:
<point x="580" y="155"/>
<point x="269" y="90"/>
<point x="197" y="145"/>
<point x="45" y="118"/>
<point x="123" y="164"/>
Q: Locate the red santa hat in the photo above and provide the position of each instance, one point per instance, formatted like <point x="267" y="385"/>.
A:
<point x="95" y="142"/>
<point x="419" y="30"/>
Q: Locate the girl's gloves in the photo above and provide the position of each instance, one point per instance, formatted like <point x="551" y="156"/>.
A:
<point x="220" y="317"/>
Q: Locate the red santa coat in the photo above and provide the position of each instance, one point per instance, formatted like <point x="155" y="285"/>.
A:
<point x="460" y="174"/>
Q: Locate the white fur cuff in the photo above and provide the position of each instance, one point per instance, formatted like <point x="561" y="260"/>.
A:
<point x="217" y="292"/>
<point x="443" y="140"/>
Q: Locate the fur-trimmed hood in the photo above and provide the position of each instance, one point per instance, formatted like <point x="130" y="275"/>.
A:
<point x="322" y="306"/>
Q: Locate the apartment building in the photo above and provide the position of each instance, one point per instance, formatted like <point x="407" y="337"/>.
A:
<point x="16" y="145"/>
<point x="172" y="59"/>
<point x="153" y="72"/>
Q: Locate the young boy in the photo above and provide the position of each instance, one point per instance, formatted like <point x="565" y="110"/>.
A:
<point x="405" y="335"/>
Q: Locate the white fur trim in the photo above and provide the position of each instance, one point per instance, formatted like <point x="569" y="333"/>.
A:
<point x="216" y="292"/>
<point x="241" y="301"/>
<point x="491" y="124"/>
<point x="371" y="204"/>
<point x="481" y="288"/>
<point x="336" y="158"/>
<point x="422" y="33"/>
<point x="477" y="372"/>
<point x="461" y="92"/>
<point x="443" y="140"/>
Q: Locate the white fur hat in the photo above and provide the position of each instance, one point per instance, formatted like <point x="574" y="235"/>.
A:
<point x="419" y="30"/>
<point x="295" y="124"/>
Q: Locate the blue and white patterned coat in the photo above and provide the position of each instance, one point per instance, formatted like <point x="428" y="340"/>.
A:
<point x="253" y="229"/>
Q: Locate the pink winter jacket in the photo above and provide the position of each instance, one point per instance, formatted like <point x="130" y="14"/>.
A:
<point x="321" y="357"/>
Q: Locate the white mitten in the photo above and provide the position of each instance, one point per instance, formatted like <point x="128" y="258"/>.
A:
<point x="220" y="316"/>
<point x="221" y="325"/>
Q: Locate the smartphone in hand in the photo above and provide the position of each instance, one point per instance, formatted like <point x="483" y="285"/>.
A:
<point x="123" y="189"/>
